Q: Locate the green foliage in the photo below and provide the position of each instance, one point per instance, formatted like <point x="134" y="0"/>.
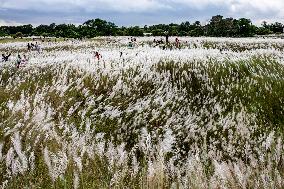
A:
<point x="225" y="81"/>
<point x="19" y="35"/>
<point x="135" y="31"/>
<point x="217" y="27"/>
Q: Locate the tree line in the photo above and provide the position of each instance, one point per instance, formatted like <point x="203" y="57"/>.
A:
<point x="218" y="26"/>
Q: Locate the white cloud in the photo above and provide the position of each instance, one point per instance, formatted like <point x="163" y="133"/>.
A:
<point x="142" y="5"/>
<point x="9" y="23"/>
<point x="259" y="10"/>
<point x="199" y="4"/>
<point x="87" y="5"/>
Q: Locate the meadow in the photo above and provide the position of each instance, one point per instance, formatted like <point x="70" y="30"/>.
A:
<point x="209" y="114"/>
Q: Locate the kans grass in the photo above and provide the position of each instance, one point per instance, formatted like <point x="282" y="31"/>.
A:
<point x="207" y="115"/>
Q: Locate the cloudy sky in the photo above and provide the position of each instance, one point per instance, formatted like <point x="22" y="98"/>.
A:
<point x="136" y="12"/>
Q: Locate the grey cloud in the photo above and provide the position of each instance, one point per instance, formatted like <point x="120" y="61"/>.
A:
<point x="130" y="12"/>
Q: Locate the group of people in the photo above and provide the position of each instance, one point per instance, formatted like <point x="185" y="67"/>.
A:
<point x="132" y="42"/>
<point x="21" y="61"/>
<point x="98" y="56"/>
<point x="161" y="42"/>
<point x="158" y="42"/>
<point x="35" y="46"/>
<point x="177" y="43"/>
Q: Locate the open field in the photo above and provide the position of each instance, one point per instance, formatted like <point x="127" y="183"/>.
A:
<point x="209" y="114"/>
<point x="4" y="40"/>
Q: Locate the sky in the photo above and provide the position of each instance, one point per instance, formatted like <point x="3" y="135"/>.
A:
<point x="136" y="12"/>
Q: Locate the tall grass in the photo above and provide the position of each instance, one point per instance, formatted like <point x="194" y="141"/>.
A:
<point x="152" y="120"/>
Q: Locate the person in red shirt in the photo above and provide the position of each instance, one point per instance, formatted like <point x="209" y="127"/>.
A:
<point x="98" y="55"/>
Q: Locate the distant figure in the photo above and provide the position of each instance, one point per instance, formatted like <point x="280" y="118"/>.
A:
<point x="29" y="47"/>
<point x="5" y="58"/>
<point x="98" y="55"/>
<point x="37" y="47"/>
<point x="130" y="44"/>
<point x="24" y="61"/>
<point x="121" y="54"/>
<point x="177" y="43"/>
<point x="19" y="60"/>
<point x="32" y="46"/>
<point x="167" y="38"/>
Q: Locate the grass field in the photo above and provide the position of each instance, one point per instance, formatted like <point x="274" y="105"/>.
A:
<point x="209" y="114"/>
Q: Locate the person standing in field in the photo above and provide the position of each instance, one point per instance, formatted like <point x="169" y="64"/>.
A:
<point x="24" y="61"/>
<point x="32" y="46"/>
<point x="37" y="47"/>
<point x="98" y="55"/>
<point x="19" y="60"/>
<point x="29" y="47"/>
<point x="167" y="38"/>
<point x="177" y="43"/>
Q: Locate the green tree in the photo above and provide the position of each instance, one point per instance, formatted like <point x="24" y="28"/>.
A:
<point x="276" y="27"/>
<point x="246" y="28"/>
<point x="135" y="31"/>
<point x="99" y="27"/>
<point x="158" y="32"/>
<point x="19" y="35"/>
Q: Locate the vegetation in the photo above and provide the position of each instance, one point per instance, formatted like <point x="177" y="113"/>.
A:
<point x="217" y="27"/>
<point x="208" y="116"/>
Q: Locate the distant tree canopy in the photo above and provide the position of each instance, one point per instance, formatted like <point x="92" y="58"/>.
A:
<point x="218" y="26"/>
